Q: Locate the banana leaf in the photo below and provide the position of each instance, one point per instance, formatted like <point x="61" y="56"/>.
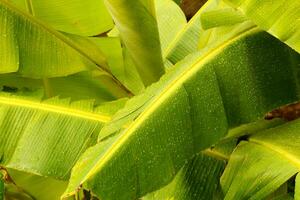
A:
<point x="84" y="18"/>
<point x="196" y="103"/>
<point x="280" y="18"/>
<point x="198" y="179"/>
<point x="297" y="189"/>
<point x="49" y="135"/>
<point x="36" y="50"/>
<point x="32" y="186"/>
<point x="1" y="187"/>
<point x="139" y="32"/>
<point x="120" y="63"/>
<point x="169" y="23"/>
<point x="186" y="40"/>
<point x="263" y="163"/>
<point x="221" y="17"/>
<point x="79" y="86"/>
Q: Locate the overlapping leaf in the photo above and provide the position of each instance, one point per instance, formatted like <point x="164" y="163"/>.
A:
<point x="139" y="33"/>
<point x="29" y="186"/>
<point x="47" y="137"/>
<point x="198" y="179"/>
<point x="34" y="49"/>
<point x="263" y="163"/>
<point x="80" y="86"/>
<point x="186" y="39"/>
<point x="280" y="18"/>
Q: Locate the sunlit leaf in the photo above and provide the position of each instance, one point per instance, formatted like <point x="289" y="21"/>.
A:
<point x="34" y="49"/>
<point x="86" y="18"/>
<point x="50" y="135"/>
<point x="280" y="18"/>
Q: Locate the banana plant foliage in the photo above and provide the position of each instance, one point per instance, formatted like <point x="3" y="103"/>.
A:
<point x="280" y="18"/>
<point x="123" y="100"/>
<point x="197" y="102"/>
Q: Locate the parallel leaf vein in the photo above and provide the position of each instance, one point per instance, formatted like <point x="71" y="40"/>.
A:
<point x="54" y="109"/>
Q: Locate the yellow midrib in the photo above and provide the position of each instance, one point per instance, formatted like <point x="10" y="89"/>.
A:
<point x="54" y="109"/>
<point x="290" y="157"/>
<point x="152" y="107"/>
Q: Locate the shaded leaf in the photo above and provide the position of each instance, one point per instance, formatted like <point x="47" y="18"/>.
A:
<point x="297" y="189"/>
<point x="1" y="187"/>
<point x="198" y="179"/>
<point x="80" y="86"/>
<point x="41" y="188"/>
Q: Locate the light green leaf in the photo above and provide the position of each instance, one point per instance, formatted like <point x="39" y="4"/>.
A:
<point x="261" y="165"/>
<point x="139" y="32"/>
<point x="36" y="50"/>
<point x="190" y="7"/>
<point x="221" y="17"/>
<point x="186" y="40"/>
<point x="85" y="18"/>
<point x="196" y="102"/>
<point x="280" y="18"/>
<point x="170" y="19"/>
<point x="198" y="179"/>
<point x="130" y="76"/>
<point x="41" y="188"/>
<point x="50" y="135"/>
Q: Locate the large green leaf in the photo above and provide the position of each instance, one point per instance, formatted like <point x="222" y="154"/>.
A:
<point x="139" y="32"/>
<point x="280" y="18"/>
<point x="196" y="102"/>
<point x="47" y="137"/>
<point x="199" y="177"/>
<point x="34" y="49"/>
<point x="263" y="163"/>
<point x="72" y="16"/>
